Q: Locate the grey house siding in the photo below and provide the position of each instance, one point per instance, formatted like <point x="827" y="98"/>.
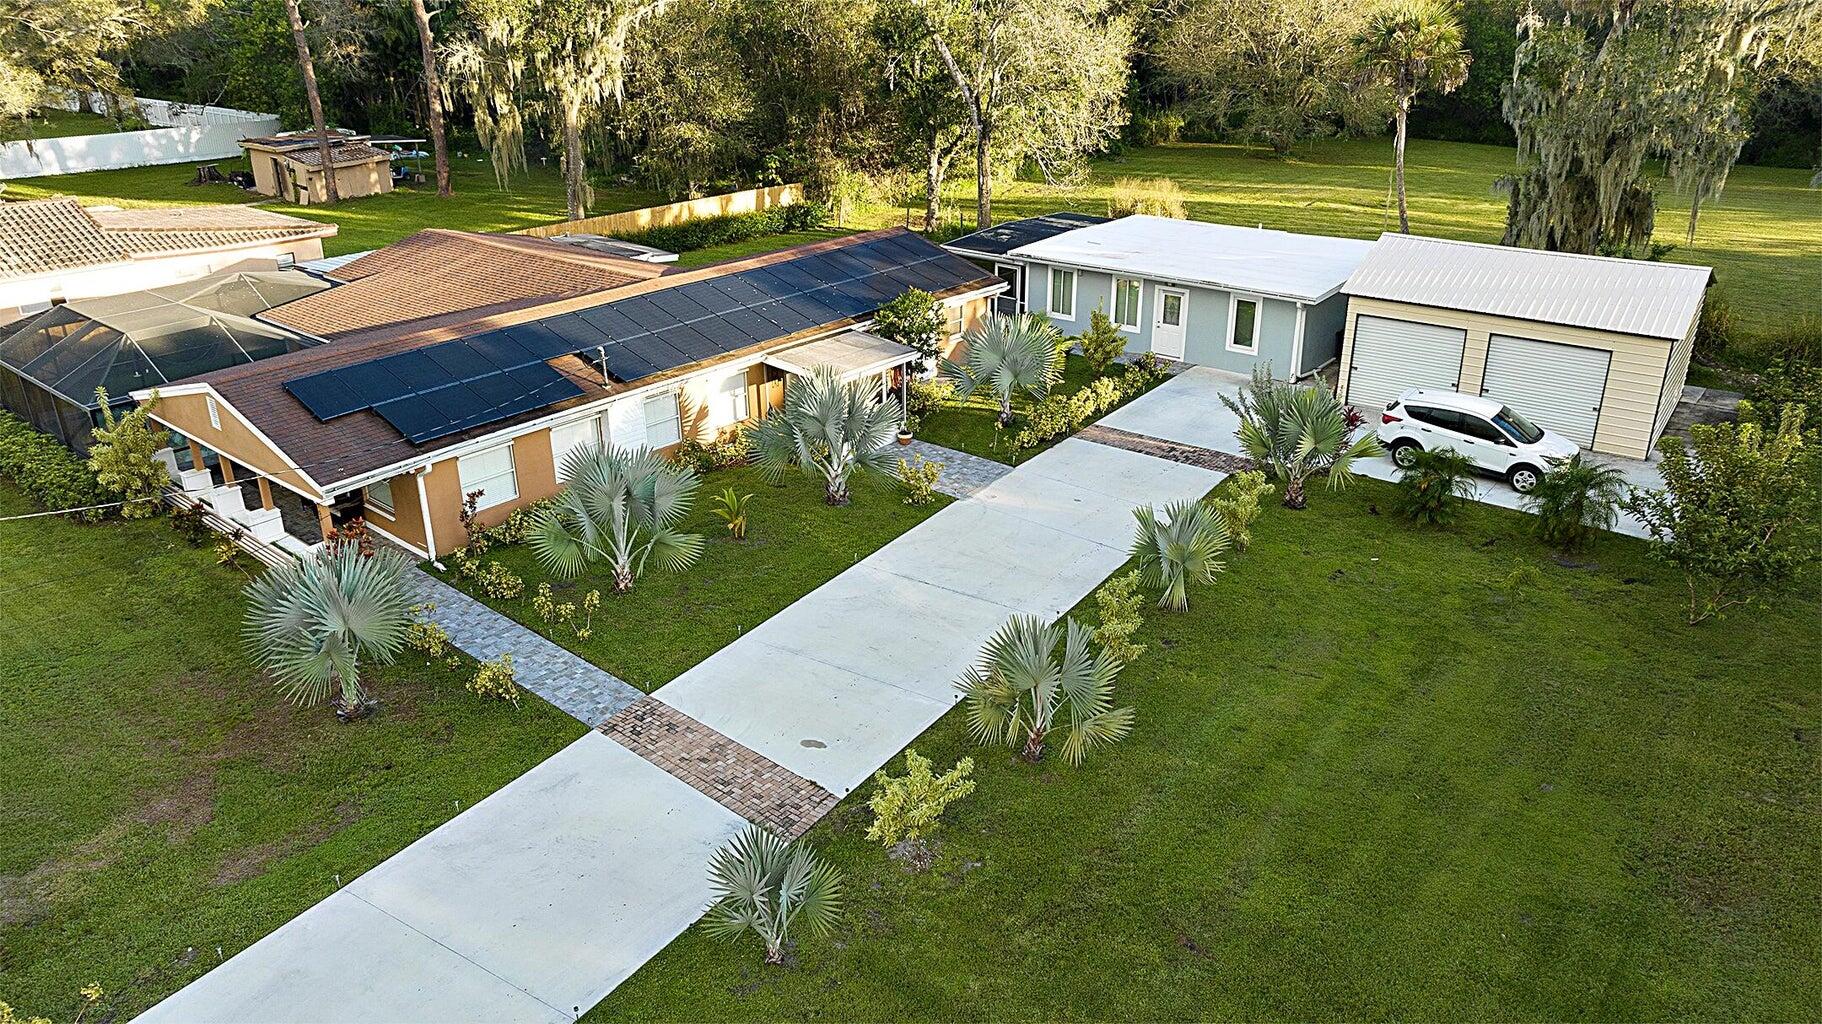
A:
<point x="1322" y="327"/>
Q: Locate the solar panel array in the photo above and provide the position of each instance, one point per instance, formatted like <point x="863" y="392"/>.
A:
<point x="453" y="386"/>
<point x="1003" y="238"/>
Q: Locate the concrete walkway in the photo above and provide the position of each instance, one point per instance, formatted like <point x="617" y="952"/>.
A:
<point x="535" y="903"/>
<point x="582" y="689"/>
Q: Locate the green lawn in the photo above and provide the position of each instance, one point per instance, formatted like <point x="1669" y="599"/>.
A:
<point x="58" y="124"/>
<point x="1363" y="783"/>
<point x="972" y="424"/>
<point x="163" y="806"/>
<point x="669" y="622"/>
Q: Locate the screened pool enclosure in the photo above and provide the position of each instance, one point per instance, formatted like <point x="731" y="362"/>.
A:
<point x="51" y="364"/>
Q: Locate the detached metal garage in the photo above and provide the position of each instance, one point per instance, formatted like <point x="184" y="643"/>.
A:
<point x="1591" y="347"/>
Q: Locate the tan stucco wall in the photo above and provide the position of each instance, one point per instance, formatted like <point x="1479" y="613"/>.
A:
<point x="189" y="416"/>
<point x="1635" y="378"/>
<point x="407" y="521"/>
<point x="350" y="181"/>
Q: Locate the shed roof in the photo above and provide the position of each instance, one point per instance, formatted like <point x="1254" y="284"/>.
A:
<point x="1304" y="268"/>
<point x="1003" y="238"/>
<point x="1650" y="299"/>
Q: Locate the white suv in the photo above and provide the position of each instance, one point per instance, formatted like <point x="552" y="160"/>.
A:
<point x="1494" y="437"/>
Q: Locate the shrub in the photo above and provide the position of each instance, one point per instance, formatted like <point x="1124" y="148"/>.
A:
<point x="1575" y="497"/>
<point x="1154" y="127"/>
<point x="1158" y="197"/>
<point x="494" y="579"/>
<point x="1431" y="489"/>
<point x="923" y="397"/>
<point x="726" y="450"/>
<point x="1785" y="382"/>
<point x="908" y="809"/>
<point x="191" y="523"/>
<point x="1797" y="340"/>
<point x="1238" y="506"/>
<point x="1119" y="601"/>
<point x="731" y="508"/>
<point x="738" y="227"/>
<point x="1737" y="512"/>
<point x="764" y="886"/>
<point x="919" y="480"/>
<point x="54" y="476"/>
<point x="1102" y="343"/>
<point x="1058" y="415"/>
<point x="495" y="680"/>
<point x="123" y="457"/>
<point x="915" y="321"/>
<point x="425" y="636"/>
<point x="1715" y="330"/>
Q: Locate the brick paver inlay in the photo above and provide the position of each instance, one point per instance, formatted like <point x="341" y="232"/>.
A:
<point x="1189" y="454"/>
<point x="742" y="780"/>
<point x="963" y="474"/>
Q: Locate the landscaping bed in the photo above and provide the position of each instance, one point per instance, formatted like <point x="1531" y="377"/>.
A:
<point x="972" y="424"/>
<point x="1374" y="774"/>
<point x="163" y="806"/>
<point x="670" y="621"/>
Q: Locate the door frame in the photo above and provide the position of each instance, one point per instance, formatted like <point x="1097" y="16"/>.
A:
<point x="1182" y="328"/>
<point x="1018" y="291"/>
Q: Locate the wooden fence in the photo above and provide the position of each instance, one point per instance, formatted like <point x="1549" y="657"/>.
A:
<point x="634" y="221"/>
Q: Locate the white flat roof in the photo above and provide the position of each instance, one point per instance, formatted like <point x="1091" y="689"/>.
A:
<point x="1652" y="299"/>
<point x="851" y="353"/>
<point x="1304" y="268"/>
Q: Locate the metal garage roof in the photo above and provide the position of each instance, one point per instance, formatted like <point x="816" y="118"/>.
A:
<point x="1655" y="300"/>
<point x="1302" y="268"/>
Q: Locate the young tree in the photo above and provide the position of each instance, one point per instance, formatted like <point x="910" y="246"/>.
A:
<point x="764" y="886"/>
<point x="914" y="320"/>
<point x="930" y="122"/>
<point x="311" y="623"/>
<point x="1574" y="498"/>
<point x="1278" y="71"/>
<point x="1296" y="433"/>
<point x="1102" y="343"/>
<point x="1040" y="80"/>
<point x="123" y="454"/>
<point x="1019" y="691"/>
<point x="1737" y="515"/>
<point x="827" y="428"/>
<point x="1434" y="484"/>
<point x="433" y="96"/>
<point x="1184" y="545"/>
<point x="1008" y="356"/>
<point x="1411" y="47"/>
<point x="1605" y="89"/>
<point x="305" y="64"/>
<point x="623" y="506"/>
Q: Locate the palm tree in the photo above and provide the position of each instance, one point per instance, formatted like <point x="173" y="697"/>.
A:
<point x="1186" y="544"/>
<point x="1412" y="46"/>
<point x="1008" y="356"/>
<point x="1018" y="690"/>
<point x="310" y="623"/>
<point x="433" y="96"/>
<point x="308" y="67"/>
<point x="623" y="506"/>
<point x="764" y="886"/>
<point x="828" y="429"/>
<point x="1296" y="433"/>
<point x="1575" y="497"/>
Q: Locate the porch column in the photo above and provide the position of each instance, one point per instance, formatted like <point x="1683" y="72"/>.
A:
<point x="227" y="469"/>
<point x="265" y="493"/>
<point x="323" y="521"/>
<point x="195" y="455"/>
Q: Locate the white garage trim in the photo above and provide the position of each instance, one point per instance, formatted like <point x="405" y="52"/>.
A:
<point x="1391" y="356"/>
<point x="1556" y="386"/>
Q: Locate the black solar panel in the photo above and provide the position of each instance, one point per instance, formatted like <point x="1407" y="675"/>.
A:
<point x="457" y="407"/>
<point x="326" y="396"/>
<point x="1003" y="238"/>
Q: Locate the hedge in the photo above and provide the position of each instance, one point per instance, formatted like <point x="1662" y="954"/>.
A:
<point x="736" y="227"/>
<point x="51" y="474"/>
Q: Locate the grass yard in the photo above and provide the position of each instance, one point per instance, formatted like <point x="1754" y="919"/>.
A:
<point x="59" y="124"/>
<point x="1364" y="783"/>
<point x="669" y="622"/>
<point x="163" y="806"/>
<point x="972" y="424"/>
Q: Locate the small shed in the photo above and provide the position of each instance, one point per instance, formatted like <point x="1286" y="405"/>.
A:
<point x="1593" y="347"/>
<point x="290" y="166"/>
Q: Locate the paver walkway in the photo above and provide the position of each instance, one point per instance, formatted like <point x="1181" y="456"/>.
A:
<point x="538" y="901"/>
<point x="963" y="474"/>
<point x="575" y="685"/>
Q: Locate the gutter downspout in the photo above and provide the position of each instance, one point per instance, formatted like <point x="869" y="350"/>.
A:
<point x="430" y="538"/>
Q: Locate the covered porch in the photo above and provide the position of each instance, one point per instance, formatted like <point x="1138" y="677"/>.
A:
<point x="263" y="516"/>
<point x="855" y="356"/>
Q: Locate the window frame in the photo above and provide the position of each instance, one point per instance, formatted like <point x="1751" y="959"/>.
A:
<point x="557" y="457"/>
<point x="739" y="405"/>
<point x="675" y="417"/>
<point x="1050" y="296"/>
<point x="488" y="499"/>
<point x="1138" y="304"/>
<point x="1233" y="321"/>
<point x="388" y="509"/>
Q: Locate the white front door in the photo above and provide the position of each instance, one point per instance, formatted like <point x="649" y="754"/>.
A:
<point x="1169" y="322"/>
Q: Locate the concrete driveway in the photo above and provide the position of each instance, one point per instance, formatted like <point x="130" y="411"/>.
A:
<point x="1189" y="410"/>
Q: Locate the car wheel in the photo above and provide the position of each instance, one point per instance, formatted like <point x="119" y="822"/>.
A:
<point x="1404" y="453"/>
<point x="1524" y="478"/>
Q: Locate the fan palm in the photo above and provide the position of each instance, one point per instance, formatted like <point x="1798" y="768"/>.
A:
<point x="764" y="886"/>
<point x="1007" y="356"/>
<point x="1575" y="497"/>
<point x="1018" y="690"/>
<point x="827" y="428"/>
<point x="1411" y="46"/>
<point x="1186" y="544"/>
<point x="312" y="622"/>
<point x="622" y="505"/>
<point x="1296" y="433"/>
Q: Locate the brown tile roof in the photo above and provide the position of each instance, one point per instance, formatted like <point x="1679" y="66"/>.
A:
<point x="437" y="274"/>
<point x="47" y="235"/>
<point x="362" y="442"/>
<point x="347" y="153"/>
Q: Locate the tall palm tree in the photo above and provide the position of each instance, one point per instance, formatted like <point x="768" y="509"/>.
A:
<point x="829" y="429"/>
<point x="1185" y="544"/>
<point x="1019" y="690"/>
<point x="433" y="96"/>
<point x="764" y="886"/>
<point x="1295" y="433"/>
<point x="623" y="506"/>
<point x="1007" y="356"/>
<point x="315" y="97"/>
<point x="1412" y="46"/>
<point x="311" y="623"/>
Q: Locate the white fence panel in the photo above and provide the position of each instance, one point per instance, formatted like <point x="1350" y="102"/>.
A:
<point x="27" y="158"/>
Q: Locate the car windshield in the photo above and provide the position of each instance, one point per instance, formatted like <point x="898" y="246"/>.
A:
<point x="1519" y="427"/>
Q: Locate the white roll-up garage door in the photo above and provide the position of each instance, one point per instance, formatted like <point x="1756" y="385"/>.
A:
<point x="1390" y="356"/>
<point x="1557" y="387"/>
